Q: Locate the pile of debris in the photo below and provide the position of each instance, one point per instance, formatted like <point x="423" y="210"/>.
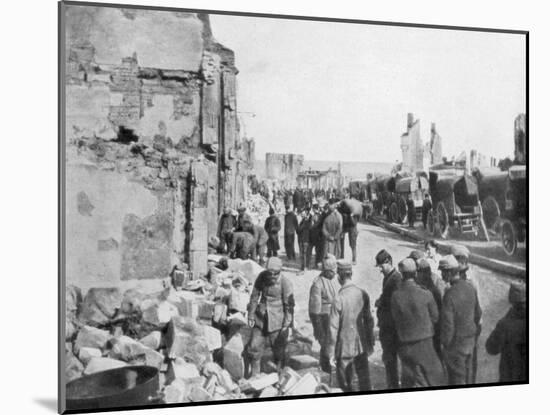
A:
<point x="195" y="337"/>
<point x="258" y="208"/>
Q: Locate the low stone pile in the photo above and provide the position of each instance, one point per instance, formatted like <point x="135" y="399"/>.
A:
<point x="258" y="208"/>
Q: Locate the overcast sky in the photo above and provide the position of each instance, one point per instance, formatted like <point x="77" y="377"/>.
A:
<point x="336" y="91"/>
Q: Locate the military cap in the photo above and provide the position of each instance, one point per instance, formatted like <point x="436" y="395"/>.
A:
<point x="329" y="262"/>
<point x="517" y="293"/>
<point x="423" y="264"/>
<point x="416" y="255"/>
<point x="448" y="262"/>
<point x="343" y="265"/>
<point x="407" y="265"/>
<point x="382" y="257"/>
<point x="274" y="264"/>
<point x="460" y="251"/>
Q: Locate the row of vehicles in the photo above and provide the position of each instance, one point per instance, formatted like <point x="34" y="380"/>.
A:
<point x="461" y="203"/>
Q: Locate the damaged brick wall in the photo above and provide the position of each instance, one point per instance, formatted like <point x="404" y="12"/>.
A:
<point x="150" y="131"/>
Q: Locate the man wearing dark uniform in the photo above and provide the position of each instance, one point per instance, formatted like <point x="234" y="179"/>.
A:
<point x="415" y="314"/>
<point x="509" y="338"/>
<point x="352" y="337"/>
<point x="291" y="226"/>
<point x="225" y="227"/>
<point x="272" y="227"/>
<point x="270" y="312"/>
<point x="460" y="323"/>
<point x="388" y="334"/>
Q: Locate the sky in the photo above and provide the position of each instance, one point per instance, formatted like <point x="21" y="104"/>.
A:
<point x="339" y="91"/>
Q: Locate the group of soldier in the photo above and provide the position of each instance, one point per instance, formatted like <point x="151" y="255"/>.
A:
<point x="429" y="322"/>
<point x="322" y="229"/>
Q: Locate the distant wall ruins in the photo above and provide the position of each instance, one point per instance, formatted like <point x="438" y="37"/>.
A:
<point x="284" y="167"/>
<point x="152" y="145"/>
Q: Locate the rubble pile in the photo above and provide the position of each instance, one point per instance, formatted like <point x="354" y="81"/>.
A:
<point x="258" y="209"/>
<point x="194" y="336"/>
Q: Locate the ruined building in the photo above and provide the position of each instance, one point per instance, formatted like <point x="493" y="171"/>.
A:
<point x="284" y="168"/>
<point x="416" y="155"/>
<point x="411" y="146"/>
<point x="520" y="140"/>
<point x="152" y="146"/>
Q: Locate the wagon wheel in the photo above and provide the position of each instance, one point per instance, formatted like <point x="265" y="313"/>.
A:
<point x="394" y="212"/>
<point x="431" y="223"/>
<point x="509" y="237"/>
<point x="442" y="219"/>
<point x="491" y="211"/>
<point x="402" y="207"/>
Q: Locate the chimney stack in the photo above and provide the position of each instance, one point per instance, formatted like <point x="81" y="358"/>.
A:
<point x="410" y="119"/>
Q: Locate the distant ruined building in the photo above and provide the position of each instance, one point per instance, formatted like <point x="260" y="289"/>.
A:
<point x="284" y="168"/>
<point x="417" y="156"/>
<point x="520" y="140"/>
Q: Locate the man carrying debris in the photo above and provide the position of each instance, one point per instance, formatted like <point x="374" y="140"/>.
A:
<point x="332" y="229"/>
<point x="415" y="314"/>
<point x="352" y="337"/>
<point x="243" y="245"/>
<point x="291" y="226"/>
<point x="225" y="227"/>
<point x="509" y="338"/>
<point x="388" y="334"/>
<point x="272" y="227"/>
<point x="270" y="314"/>
<point x="460" y="323"/>
<point x="322" y="294"/>
<point x="260" y="236"/>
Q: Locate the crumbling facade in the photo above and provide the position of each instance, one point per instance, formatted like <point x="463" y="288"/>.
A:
<point x="520" y="140"/>
<point x="152" y="145"/>
<point x="284" y="168"/>
<point x="411" y="146"/>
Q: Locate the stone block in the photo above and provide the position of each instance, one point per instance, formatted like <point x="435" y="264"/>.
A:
<point x="73" y="367"/>
<point x="159" y="314"/>
<point x="185" y="339"/>
<point x="213" y="337"/>
<point x="149" y="357"/>
<point x="233" y="360"/>
<point x="262" y="381"/>
<point x="307" y="385"/>
<point x="180" y="369"/>
<point x="125" y="348"/>
<point x="100" y="305"/>
<point x="288" y="379"/>
<point x="302" y="362"/>
<point x="199" y="394"/>
<point x="100" y="364"/>
<point x="269" y="392"/>
<point x="85" y="354"/>
<point x="152" y="340"/>
<point x="91" y="337"/>
<point x="206" y="309"/>
<point x="176" y="392"/>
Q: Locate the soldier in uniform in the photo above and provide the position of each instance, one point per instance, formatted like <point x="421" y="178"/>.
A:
<point x="332" y="228"/>
<point x="411" y="211"/>
<point x="460" y="323"/>
<point x="509" y="338"/>
<point x="388" y="333"/>
<point x="260" y="237"/>
<point x="415" y="315"/>
<point x="304" y="229"/>
<point x="270" y="312"/>
<point x="322" y="293"/>
<point x="426" y="207"/>
<point x="272" y="227"/>
<point x="225" y="227"/>
<point x="462" y="255"/>
<point x="352" y="337"/>
<point x="291" y="225"/>
<point x="349" y="226"/>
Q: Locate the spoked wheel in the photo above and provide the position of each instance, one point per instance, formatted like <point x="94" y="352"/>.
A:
<point x="442" y="220"/>
<point x="491" y="211"/>
<point x="394" y="212"/>
<point x="509" y="237"/>
<point x="402" y="207"/>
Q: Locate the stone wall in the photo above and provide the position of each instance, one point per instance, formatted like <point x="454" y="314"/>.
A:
<point x="152" y="148"/>
<point x="520" y="140"/>
<point x="411" y="146"/>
